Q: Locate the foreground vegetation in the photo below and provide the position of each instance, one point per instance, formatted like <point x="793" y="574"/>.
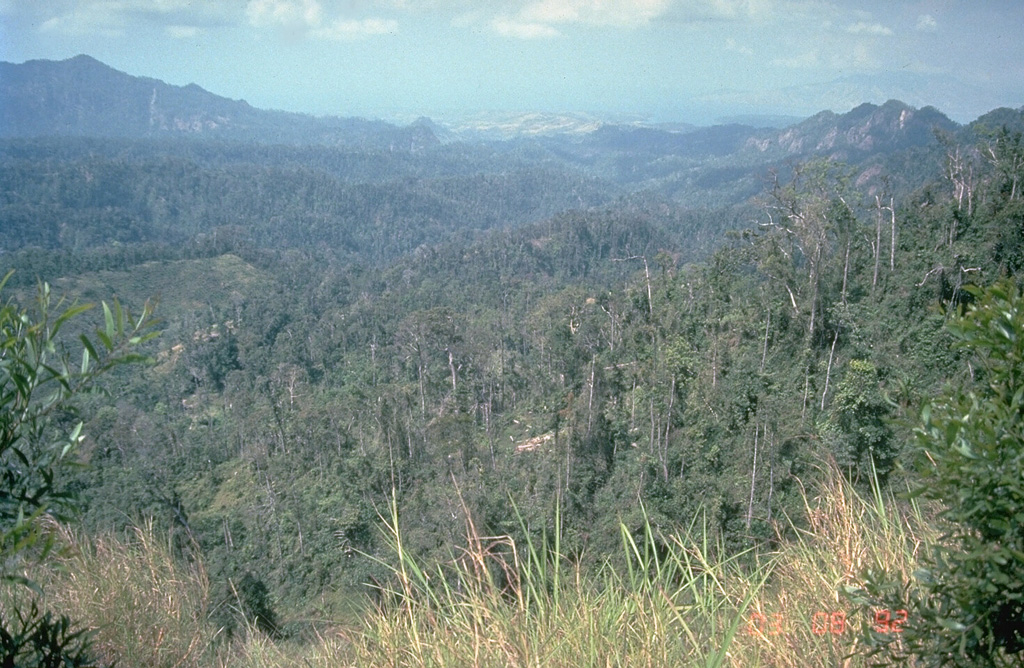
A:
<point x="675" y="598"/>
<point x="681" y="600"/>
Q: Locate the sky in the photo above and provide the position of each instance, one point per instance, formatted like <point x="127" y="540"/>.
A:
<point x="695" y="61"/>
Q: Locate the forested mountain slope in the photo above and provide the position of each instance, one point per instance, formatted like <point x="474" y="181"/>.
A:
<point x="267" y="198"/>
<point x="625" y="326"/>
<point x="571" y="359"/>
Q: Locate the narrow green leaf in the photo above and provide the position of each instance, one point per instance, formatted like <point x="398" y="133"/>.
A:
<point x="87" y="344"/>
<point x="108" y="342"/>
<point x="108" y="318"/>
<point x="67" y="315"/>
<point x="7" y="276"/>
<point x="24" y="581"/>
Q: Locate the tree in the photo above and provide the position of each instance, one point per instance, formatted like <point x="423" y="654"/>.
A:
<point x="810" y="213"/>
<point x="968" y="609"/>
<point x="856" y="426"/>
<point x="1005" y="151"/>
<point x="38" y="384"/>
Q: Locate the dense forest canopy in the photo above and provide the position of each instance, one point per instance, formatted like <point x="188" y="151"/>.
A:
<point x="634" y="326"/>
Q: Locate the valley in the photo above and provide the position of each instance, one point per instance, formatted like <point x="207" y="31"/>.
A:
<point x="596" y="342"/>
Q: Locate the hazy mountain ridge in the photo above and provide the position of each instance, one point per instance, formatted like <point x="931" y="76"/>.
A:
<point x="727" y="164"/>
<point x="508" y="125"/>
<point x="866" y="129"/>
<point x="958" y="99"/>
<point x="83" y="97"/>
<point x="703" y="166"/>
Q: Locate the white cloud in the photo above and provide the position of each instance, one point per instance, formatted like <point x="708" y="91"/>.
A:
<point x="532" y="19"/>
<point x="858" y="57"/>
<point x="306" y="17"/>
<point x="552" y="11"/>
<point x="344" y="29"/>
<point x="115" y="17"/>
<point x="289" y="13"/>
<point x="865" y="28"/>
<point x="926" y="23"/>
<point x="542" y="18"/>
<point x="621" y="12"/>
<point x="509" y="27"/>
<point x="104" y="19"/>
<point x="717" y="10"/>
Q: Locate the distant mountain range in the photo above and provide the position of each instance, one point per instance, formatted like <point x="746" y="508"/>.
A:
<point x="958" y="99"/>
<point x="82" y="97"/>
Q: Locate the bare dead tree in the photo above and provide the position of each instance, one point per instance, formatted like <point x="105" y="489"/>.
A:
<point x="892" y="239"/>
<point x="647" y="277"/>
<point x="1006" y="153"/>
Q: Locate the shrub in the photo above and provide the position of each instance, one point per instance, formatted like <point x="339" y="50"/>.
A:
<point x="967" y="608"/>
<point x="38" y="383"/>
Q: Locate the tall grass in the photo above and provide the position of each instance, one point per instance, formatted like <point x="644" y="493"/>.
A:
<point x="680" y="600"/>
<point x="499" y="603"/>
<point x="801" y="618"/>
<point x="144" y="607"/>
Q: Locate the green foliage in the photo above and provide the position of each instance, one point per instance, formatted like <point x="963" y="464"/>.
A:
<point x="249" y="603"/>
<point x="857" y="425"/>
<point x="39" y="381"/>
<point x="968" y="606"/>
<point x="498" y="601"/>
<point x="34" y="638"/>
<point x="341" y="324"/>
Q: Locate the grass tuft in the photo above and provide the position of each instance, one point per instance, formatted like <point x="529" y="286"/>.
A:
<point x="499" y="603"/>
<point x="802" y="617"/>
<point x="680" y="600"/>
<point x="144" y="608"/>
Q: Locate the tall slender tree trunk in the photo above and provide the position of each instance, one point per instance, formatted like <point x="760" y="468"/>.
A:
<point x="668" y="429"/>
<point x="771" y="471"/>
<point x="423" y="393"/>
<point x="590" y="401"/>
<point x="451" y="367"/>
<point x="878" y="240"/>
<point x="764" y="348"/>
<point x="846" y="269"/>
<point x="815" y="281"/>
<point x="807" y="387"/>
<point x="488" y="407"/>
<point x="753" y="478"/>
<point x="892" y="240"/>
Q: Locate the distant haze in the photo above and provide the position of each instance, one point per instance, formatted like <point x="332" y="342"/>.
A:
<point x="661" y="60"/>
